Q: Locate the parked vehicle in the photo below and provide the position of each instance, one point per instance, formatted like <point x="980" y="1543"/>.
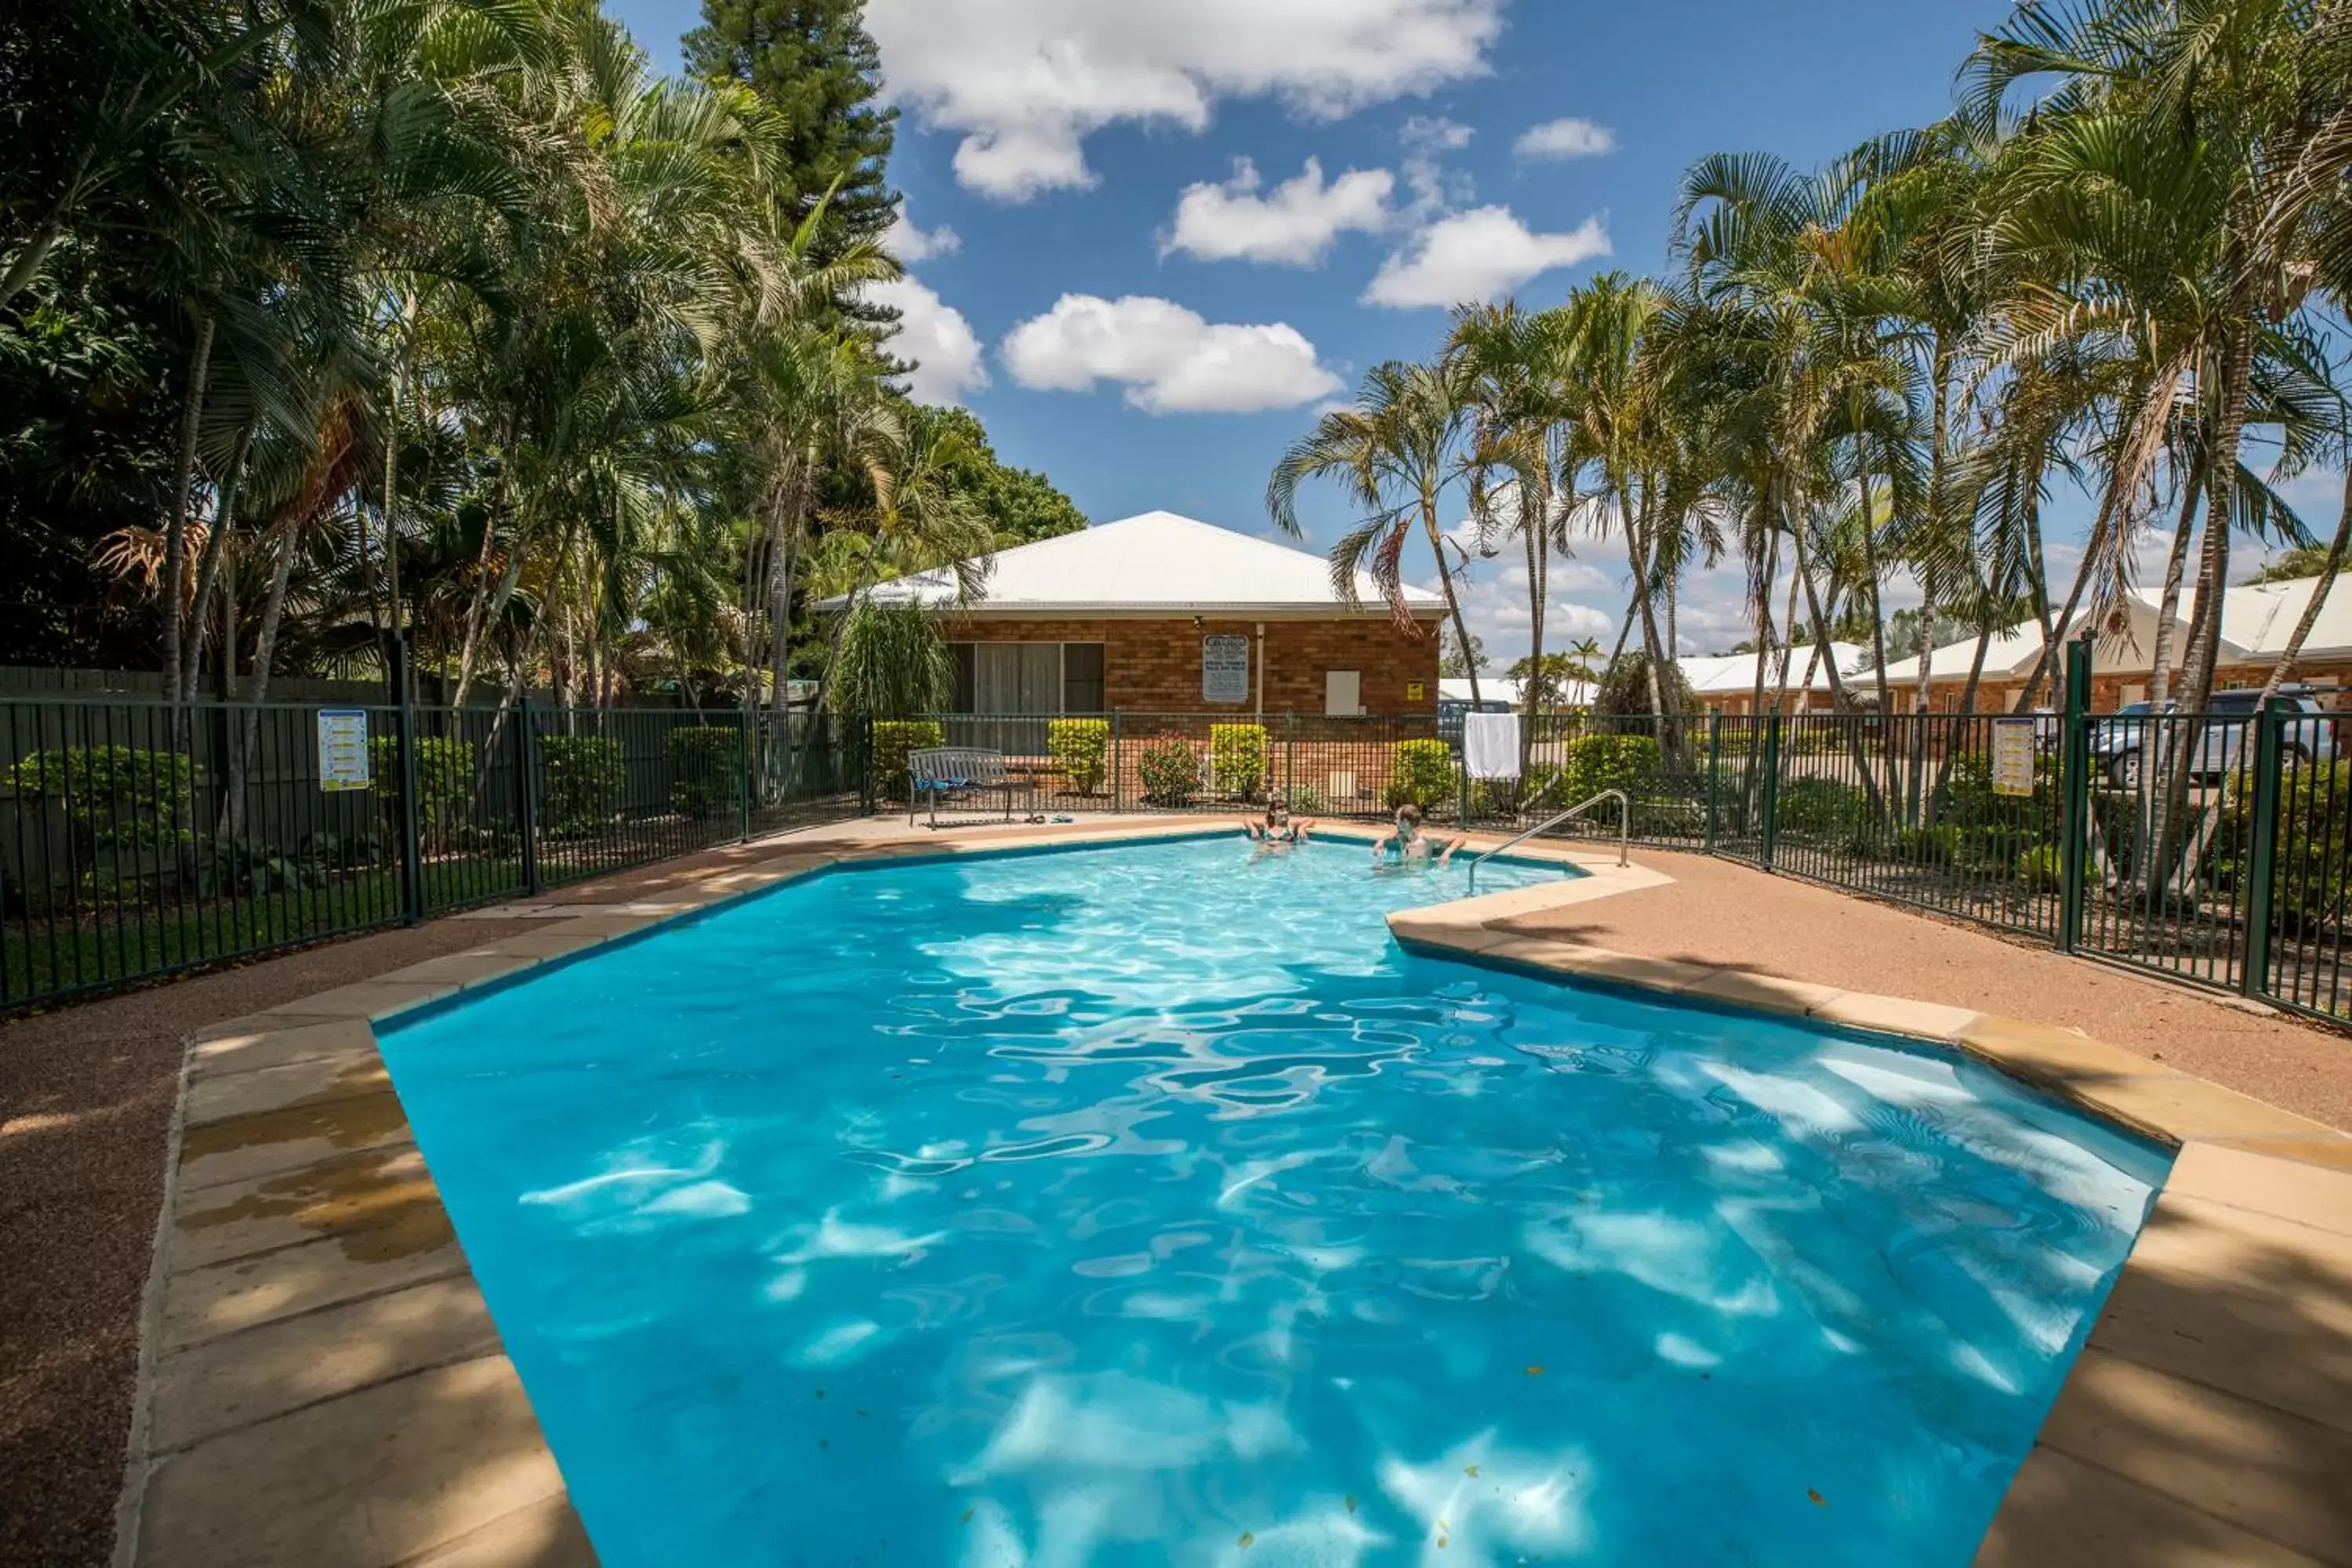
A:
<point x="1450" y="710"/>
<point x="2119" y="744"/>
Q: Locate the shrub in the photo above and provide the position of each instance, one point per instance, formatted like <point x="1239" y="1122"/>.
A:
<point x="1079" y="747"/>
<point x="580" y="781"/>
<point x="1624" y="688"/>
<point x="2308" y="883"/>
<point x="1595" y="762"/>
<point x="1822" y="810"/>
<point x="1305" y="800"/>
<point x="705" y="765"/>
<point x="893" y="739"/>
<point x="1170" y="770"/>
<point x="117" y="798"/>
<point x="1238" y="758"/>
<point x="2040" y="869"/>
<point x="1422" y="773"/>
<point x="444" y="781"/>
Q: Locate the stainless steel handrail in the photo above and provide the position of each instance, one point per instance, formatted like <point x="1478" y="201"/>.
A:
<point x="1624" y="829"/>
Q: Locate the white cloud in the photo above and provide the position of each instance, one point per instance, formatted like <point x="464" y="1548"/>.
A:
<point x="1434" y="134"/>
<point x="1027" y="80"/>
<point x="1479" y="255"/>
<point x="1170" y="359"/>
<point x="911" y="245"/>
<point x="1567" y="138"/>
<point x="1294" y="224"/>
<point x="935" y="335"/>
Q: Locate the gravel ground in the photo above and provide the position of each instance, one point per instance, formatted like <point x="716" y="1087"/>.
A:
<point x="86" y="1099"/>
<point x="1717" y="912"/>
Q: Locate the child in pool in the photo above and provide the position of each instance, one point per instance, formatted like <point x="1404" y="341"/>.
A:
<point x="1277" y="828"/>
<point x="1410" y="842"/>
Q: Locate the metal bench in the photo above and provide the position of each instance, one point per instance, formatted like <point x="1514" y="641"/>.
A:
<point x="937" y="771"/>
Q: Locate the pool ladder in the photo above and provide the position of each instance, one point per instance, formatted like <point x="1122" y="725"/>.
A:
<point x="1624" y="829"/>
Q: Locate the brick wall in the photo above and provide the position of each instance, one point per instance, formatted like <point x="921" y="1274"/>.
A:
<point x="1154" y="666"/>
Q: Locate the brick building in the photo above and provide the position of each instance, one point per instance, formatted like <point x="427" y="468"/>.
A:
<point x="2257" y="621"/>
<point x="1160" y="615"/>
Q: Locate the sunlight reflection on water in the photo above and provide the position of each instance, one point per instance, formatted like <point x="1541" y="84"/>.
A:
<point x="1147" y="1206"/>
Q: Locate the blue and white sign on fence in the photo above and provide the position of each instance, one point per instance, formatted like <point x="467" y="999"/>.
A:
<point x="342" y="749"/>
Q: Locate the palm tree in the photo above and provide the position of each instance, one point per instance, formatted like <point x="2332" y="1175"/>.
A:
<point x="1398" y="454"/>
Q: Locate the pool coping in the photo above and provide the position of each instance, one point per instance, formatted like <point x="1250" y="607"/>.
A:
<point x="320" y="1381"/>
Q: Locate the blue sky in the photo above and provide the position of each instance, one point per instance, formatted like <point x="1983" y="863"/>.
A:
<point x="1147" y="360"/>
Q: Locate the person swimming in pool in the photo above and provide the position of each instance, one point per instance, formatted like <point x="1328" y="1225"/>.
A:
<point x="1408" y="842"/>
<point x="1278" y="828"/>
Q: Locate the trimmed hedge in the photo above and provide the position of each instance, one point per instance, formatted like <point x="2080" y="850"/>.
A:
<point x="1422" y="773"/>
<point x="444" y="781"/>
<point x="117" y="798"/>
<point x="1080" y="748"/>
<point x="581" y="782"/>
<point x="706" y="763"/>
<point x="1238" y="758"/>
<point x="893" y="739"/>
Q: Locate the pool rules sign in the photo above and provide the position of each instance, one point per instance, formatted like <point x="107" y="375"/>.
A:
<point x="2013" y="756"/>
<point x="1224" y="669"/>
<point x="342" y="749"/>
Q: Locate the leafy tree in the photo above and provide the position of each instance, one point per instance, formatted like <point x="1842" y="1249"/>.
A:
<point x="1461" y="655"/>
<point x="813" y="62"/>
<point x="2309" y="560"/>
<point x="1020" y="505"/>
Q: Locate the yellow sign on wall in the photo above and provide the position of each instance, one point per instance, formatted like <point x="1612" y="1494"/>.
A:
<point x="1416" y="690"/>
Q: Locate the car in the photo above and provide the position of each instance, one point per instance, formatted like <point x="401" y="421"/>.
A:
<point x="2119" y="743"/>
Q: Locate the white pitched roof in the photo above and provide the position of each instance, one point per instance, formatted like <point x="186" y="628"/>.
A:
<point x="1735" y="673"/>
<point x="2258" y="619"/>
<point x="2127" y="646"/>
<point x="1155" y="563"/>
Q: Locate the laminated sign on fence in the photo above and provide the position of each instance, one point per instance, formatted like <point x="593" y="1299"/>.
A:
<point x="2013" y="756"/>
<point x="342" y="749"/>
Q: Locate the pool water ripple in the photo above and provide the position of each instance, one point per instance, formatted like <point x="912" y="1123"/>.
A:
<point x="1147" y="1206"/>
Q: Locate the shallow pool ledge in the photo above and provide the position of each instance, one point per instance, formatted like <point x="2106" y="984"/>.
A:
<point x="2209" y="1416"/>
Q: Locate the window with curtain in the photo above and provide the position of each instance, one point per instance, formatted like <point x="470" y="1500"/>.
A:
<point x="1028" y="679"/>
<point x="1017" y="678"/>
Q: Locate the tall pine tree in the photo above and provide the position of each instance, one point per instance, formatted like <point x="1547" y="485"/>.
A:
<point x="814" y="63"/>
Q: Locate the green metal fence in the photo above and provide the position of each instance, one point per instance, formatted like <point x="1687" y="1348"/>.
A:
<point x="139" y="839"/>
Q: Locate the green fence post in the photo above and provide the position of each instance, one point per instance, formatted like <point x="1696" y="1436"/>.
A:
<point x="2262" y="861"/>
<point x="743" y="775"/>
<point x="2074" y="851"/>
<point x="526" y="793"/>
<point x="411" y="841"/>
<point x="1714" y="755"/>
<point x="1771" y="783"/>
<point x="1111" y="780"/>
<point x="1462" y="808"/>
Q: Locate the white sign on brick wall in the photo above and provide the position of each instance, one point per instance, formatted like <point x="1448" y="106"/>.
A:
<point x="1224" y="669"/>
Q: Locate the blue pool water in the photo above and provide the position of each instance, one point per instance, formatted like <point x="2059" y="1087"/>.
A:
<point x="1149" y="1205"/>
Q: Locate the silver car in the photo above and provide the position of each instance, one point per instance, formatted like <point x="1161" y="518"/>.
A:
<point x="2117" y="744"/>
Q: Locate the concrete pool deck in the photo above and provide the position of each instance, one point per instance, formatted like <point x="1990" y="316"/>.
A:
<point x="320" y="1381"/>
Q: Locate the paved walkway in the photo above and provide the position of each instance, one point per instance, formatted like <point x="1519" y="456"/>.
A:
<point x="1718" y="913"/>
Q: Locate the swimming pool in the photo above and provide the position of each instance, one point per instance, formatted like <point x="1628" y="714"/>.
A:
<point x="1147" y="1205"/>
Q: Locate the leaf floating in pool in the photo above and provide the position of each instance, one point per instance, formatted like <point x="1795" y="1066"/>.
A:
<point x="1470" y="1469"/>
<point x="1816" y="1497"/>
<point x="820" y="1393"/>
<point x="1247" y="1537"/>
<point x="1535" y="1372"/>
<point x="966" y="1518"/>
<point x="1351" y="1500"/>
